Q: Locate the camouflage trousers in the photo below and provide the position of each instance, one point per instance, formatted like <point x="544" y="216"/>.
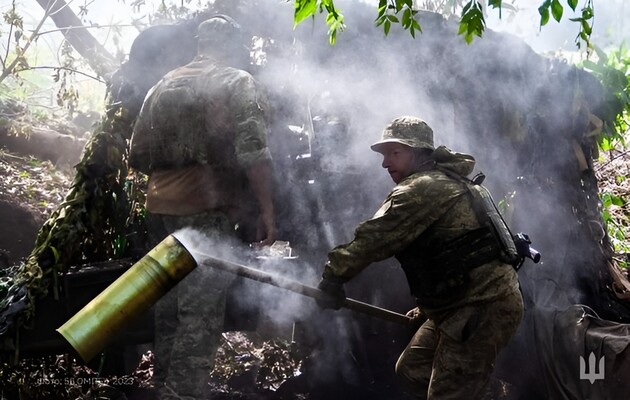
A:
<point x="189" y="318"/>
<point x="453" y="359"/>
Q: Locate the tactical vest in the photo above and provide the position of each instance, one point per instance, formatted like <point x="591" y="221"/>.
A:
<point x="439" y="274"/>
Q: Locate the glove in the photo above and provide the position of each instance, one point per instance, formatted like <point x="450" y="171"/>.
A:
<point x="335" y="294"/>
<point x="416" y="317"/>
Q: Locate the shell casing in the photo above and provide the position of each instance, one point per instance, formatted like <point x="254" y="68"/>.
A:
<point x="133" y="293"/>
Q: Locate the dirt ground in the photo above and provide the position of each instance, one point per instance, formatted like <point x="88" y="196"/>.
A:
<point x="30" y="190"/>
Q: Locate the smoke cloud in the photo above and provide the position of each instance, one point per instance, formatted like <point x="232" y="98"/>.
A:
<point x="517" y="112"/>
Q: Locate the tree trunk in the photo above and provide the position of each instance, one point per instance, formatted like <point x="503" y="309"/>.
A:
<point x="99" y="59"/>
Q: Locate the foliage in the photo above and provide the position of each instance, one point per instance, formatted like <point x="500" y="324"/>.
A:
<point x="472" y="15"/>
<point x="308" y="8"/>
<point x="167" y="11"/>
<point x="67" y="95"/>
<point x="16" y="33"/>
<point x="94" y="221"/>
<point x="617" y="224"/>
<point x="28" y="68"/>
<point x="613" y="71"/>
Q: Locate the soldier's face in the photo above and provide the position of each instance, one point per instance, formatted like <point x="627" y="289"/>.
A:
<point x="398" y="159"/>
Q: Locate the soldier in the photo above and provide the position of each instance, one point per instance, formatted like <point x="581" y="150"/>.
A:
<point x="455" y="260"/>
<point x="201" y="138"/>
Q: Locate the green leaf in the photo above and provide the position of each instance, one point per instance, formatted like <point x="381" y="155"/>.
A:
<point x="416" y="25"/>
<point x="406" y="19"/>
<point x="572" y="4"/>
<point x="606" y="144"/>
<point x="495" y="3"/>
<point x="617" y="201"/>
<point x="467" y="7"/>
<point x="544" y="15"/>
<point x="463" y="27"/>
<point x="587" y="13"/>
<point x="303" y="10"/>
<point x="387" y="26"/>
<point x="586" y="28"/>
<point x="606" y="217"/>
<point x="382" y="7"/>
<point x="557" y="10"/>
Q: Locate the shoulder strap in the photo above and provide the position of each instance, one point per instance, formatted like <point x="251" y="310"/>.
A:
<point x="488" y="214"/>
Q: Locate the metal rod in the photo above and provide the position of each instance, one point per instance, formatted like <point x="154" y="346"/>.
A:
<point x="297" y="287"/>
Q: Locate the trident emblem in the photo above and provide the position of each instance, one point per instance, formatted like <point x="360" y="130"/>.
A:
<point x="593" y="373"/>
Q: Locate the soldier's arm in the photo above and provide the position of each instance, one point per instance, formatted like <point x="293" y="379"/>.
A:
<point x="405" y="214"/>
<point x="249" y="105"/>
<point x="259" y="175"/>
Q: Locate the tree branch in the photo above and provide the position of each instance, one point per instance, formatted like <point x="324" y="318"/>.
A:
<point x="6" y="54"/>
<point x="96" y="78"/>
<point x="7" y="71"/>
<point x="99" y="59"/>
<point x="86" y="27"/>
<point x="612" y="159"/>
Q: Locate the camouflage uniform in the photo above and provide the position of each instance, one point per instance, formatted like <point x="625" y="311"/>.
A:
<point x="173" y="128"/>
<point x="189" y="318"/>
<point x="204" y="120"/>
<point x="473" y="312"/>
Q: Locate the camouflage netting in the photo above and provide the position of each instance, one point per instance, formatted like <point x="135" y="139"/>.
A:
<point x="95" y="222"/>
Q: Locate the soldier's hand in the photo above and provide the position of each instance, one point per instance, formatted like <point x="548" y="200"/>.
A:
<point x="266" y="230"/>
<point x="416" y="317"/>
<point x="334" y="291"/>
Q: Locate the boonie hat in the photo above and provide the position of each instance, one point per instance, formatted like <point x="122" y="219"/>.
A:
<point x="407" y="130"/>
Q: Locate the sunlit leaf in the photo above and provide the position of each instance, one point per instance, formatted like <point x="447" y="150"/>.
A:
<point x="586" y="28"/>
<point x="495" y="3"/>
<point x="544" y="15"/>
<point x="303" y="10"/>
<point x="557" y="10"/>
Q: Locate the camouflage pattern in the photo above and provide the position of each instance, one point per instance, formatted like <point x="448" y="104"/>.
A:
<point x="462" y="337"/>
<point x="189" y="318"/>
<point x="202" y="112"/>
<point x="454" y="358"/>
<point x="410" y="131"/>
<point x="427" y="199"/>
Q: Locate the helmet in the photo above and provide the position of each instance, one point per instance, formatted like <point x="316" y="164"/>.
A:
<point x="219" y="32"/>
<point x="410" y="131"/>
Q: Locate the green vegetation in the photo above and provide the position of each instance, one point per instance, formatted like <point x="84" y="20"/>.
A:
<point x="472" y="15"/>
<point x="613" y="71"/>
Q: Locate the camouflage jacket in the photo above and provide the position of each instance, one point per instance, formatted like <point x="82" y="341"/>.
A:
<point x="425" y="209"/>
<point x="204" y="113"/>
